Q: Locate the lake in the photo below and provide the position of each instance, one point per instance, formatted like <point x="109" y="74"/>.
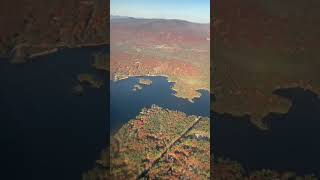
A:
<point x="46" y="131"/>
<point x="291" y="144"/>
<point x="126" y="104"/>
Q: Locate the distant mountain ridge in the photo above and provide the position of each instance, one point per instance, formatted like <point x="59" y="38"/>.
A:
<point x="118" y="17"/>
<point x="173" y="48"/>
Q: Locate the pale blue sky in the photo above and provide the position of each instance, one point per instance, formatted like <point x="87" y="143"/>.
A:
<point x="190" y="10"/>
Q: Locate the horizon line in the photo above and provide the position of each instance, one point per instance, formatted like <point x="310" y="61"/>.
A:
<point x="157" y="18"/>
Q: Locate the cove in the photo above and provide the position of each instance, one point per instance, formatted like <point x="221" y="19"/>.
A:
<point x="125" y="103"/>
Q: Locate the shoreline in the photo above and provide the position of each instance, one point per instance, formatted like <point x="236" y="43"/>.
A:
<point x="50" y="49"/>
<point x="57" y="48"/>
<point x="190" y="99"/>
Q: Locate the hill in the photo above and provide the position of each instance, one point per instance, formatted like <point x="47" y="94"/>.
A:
<point x="176" y="49"/>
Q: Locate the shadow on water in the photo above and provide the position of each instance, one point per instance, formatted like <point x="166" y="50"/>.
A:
<point x="47" y="132"/>
<point x="125" y="103"/>
<point x="291" y="144"/>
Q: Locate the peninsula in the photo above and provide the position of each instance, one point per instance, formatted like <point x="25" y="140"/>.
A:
<point x="158" y="144"/>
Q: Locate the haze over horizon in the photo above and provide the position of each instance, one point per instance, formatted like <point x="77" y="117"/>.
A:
<point x="197" y="11"/>
<point x="120" y="16"/>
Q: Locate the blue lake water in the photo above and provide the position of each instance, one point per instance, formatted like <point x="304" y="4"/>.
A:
<point x="291" y="144"/>
<point x="125" y="103"/>
<point x="46" y="132"/>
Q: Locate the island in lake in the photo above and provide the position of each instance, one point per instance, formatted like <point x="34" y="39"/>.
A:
<point x="142" y="82"/>
<point x="146" y="82"/>
<point x="86" y="80"/>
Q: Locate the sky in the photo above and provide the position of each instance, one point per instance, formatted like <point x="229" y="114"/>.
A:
<point x="190" y="10"/>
